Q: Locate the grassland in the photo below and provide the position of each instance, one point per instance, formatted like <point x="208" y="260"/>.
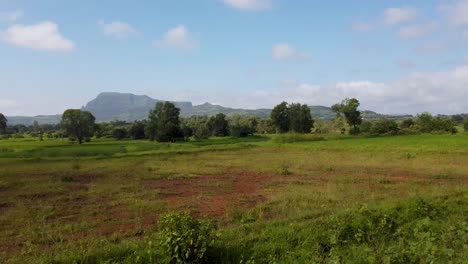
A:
<point x="276" y="199"/>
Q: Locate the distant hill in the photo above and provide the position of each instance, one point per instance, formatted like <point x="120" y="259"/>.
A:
<point x="129" y="107"/>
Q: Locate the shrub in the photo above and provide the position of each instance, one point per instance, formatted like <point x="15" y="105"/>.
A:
<point x="384" y="126"/>
<point x="185" y="239"/>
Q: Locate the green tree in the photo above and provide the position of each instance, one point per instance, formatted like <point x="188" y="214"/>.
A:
<point x="78" y="124"/>
<point x="300" y="119"/>
<point x="280" y="117"/>
<point x="465" y="125"/>
<point x="137" y="130"/>
<point x="3" y="123"/>
<point x="384" y="126"/>
<point x="241" y="126"/>
<point x="119" y="133"/>
<point x="407" y="123"/>
<point x="164" y="123"/>
<point x="425" y="122"/>
<point x="218" y="125"/>
<point x="349" y="109"/>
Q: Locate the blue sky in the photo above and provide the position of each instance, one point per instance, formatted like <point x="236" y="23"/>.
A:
<point x="395" y="56"/>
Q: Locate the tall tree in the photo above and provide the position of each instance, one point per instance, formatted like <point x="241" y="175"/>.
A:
<point x="78" y="124"/>
<point x="300" y="119"/>
<point x="218" y="125"/>
<point x="280" y="117"/>
<point x="3" y="123"/>
<point x="349" y="108"/>
<point x="164" y="123"/>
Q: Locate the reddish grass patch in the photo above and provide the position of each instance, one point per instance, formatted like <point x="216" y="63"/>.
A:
<point x="212" y="195"/>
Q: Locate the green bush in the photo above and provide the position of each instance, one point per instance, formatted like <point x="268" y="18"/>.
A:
<point x="185" y="239"/>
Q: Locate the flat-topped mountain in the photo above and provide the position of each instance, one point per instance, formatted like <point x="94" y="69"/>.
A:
<point x="111" y="106"/>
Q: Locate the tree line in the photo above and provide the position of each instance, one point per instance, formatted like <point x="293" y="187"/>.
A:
<point x="164" y="124"/>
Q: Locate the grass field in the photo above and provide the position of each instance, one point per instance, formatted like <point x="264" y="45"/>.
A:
<point x="276" y="199"/>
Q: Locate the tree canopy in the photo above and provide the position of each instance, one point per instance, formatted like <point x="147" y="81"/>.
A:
<point x="349" y="109"/>
<point x="292" y="117"/>
<point x="3" y="123"/>
<point x="164" y="123"/>
<point x="78" y="124"/>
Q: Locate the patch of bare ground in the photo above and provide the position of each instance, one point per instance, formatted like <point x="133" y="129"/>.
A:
<point x="213" y="195"/>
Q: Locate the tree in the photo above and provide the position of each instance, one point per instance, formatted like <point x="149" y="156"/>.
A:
<point x="407" y="123"/>
<point x="78" y="124"/>
<point x="425" y="122"/>
<point x="3" y="123"/>
<point x="218" y="125"/>
<point x="164" y="123"/>
<point x="119" y="133"/>
<point x="465" y="125"/>
<point x="241" y="126"/>
<point x="300" y="119"/>
<point x="280" y="117"/>
<point x="137" y="130"/>
<point x="349" y="108"/>
<point x="384" y="126"/>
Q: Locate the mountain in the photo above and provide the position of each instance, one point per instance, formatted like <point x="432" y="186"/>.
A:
<point x="110" y="106"/>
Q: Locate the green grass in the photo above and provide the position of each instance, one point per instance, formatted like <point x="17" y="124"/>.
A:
<point x="101" y="201"/>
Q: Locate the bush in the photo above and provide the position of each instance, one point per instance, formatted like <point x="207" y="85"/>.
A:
<point x="384" y="126"/>
<point x="185" y="239"/>
<point x="119" y="133"/>
<point x="465" y="125"/>
<point x="354" y="131"/>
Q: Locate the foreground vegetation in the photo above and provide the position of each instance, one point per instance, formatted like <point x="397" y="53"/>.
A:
<point x="290" y="198"/>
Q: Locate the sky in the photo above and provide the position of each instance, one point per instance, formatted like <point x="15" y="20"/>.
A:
<point x="394" y="56"/>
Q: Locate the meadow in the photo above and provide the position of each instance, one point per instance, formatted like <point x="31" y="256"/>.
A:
<point x="274" y="198"/>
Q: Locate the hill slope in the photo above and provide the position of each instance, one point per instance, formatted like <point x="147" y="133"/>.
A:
<point x="110" y="106"/>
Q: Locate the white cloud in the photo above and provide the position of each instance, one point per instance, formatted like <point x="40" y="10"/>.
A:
<point x="116" y="29"/>
<point x="41" y="36"/>
<point x="11" y="16"/>
<point x="416" y="31"/>
<point x="430" y="47"/>
<point x="285" y="52"/>
<point x="393" y="16"/>
<point x="456" y="12"/>
<point x="177" y="37"/>
<point x="249" y="5"/>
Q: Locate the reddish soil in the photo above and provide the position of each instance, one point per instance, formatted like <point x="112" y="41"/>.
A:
<point x="213" y="195"/>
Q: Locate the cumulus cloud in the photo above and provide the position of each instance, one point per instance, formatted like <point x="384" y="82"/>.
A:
<point x="41" y="36"/>
<point x="116" y="29"/>
<point x="285" y="52"/>
<point x="249" y="5"/>
<point x="11" y="16"/>
<point x="456" y="12"/>
<point x="177" y="37"/>
<point x="393" y="16"/>
<point x="437" y="92"/>
<point x="416" y="31"/>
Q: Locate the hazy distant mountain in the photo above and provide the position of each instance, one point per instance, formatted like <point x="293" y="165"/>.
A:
<point x="129" y="107"/>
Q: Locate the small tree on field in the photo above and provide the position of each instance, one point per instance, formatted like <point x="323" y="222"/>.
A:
<point x="3" y="123"/>
<point x="218" y="125"/>
<point x="137" y="130"/>
<point x="78" y="124"/>
<point x="349" y="108"/>
<point x="164" y="123"/>
<point x="300" y="119"/>
<point x="119" y="133"/>
<point x="280" y="117"/>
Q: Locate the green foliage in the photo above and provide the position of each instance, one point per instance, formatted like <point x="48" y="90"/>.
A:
<point x="265" y="126"/>
<point x="163" y="123"/>
<point x="137" y="130"/>
<point x="292" y="118"/>
<point x="119" y="133"/>
<point x="241" y="126"/>
<point x="465" y="125"/>
<point x="384" y="126"/>
<point x="349" y="108"/>
<point x="185" y="239"/>
<point x="300" y="118"/>
<point x="280" y="117"/>
<point x="78" y="124"/>
<point x="218" y="125"/>
<point x="426" y="123"/>
<point x="407" y="123"/>
<point x="3" y="123"/>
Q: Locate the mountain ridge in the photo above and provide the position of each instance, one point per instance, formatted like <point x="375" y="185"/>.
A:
<point x="109" y="106"/>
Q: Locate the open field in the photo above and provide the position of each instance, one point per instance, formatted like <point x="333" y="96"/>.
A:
<point x="276" y="199"/>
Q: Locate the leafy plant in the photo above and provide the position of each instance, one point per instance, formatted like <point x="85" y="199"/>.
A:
<point x="185" y="239"/>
